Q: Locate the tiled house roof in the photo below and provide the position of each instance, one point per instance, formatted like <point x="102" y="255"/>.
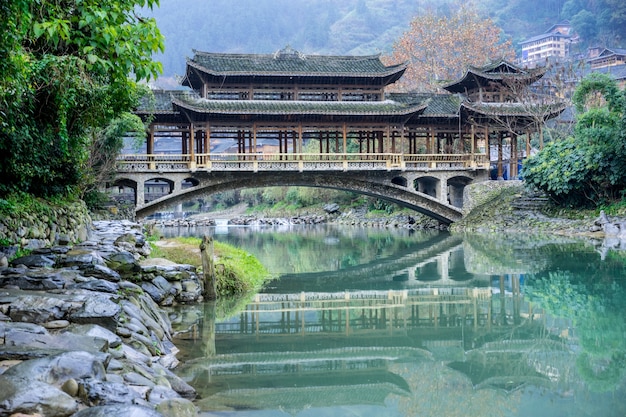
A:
<point x="474" y="77"/>
<point x="289" y="62"/>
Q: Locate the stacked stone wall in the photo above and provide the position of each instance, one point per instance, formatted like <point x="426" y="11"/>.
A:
<point x="67" y="224"/>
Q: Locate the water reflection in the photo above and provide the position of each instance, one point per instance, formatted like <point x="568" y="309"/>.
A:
<point x="415" y="325"/>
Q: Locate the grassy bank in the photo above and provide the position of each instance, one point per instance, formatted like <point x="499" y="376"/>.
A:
<point x="237" y="271"/>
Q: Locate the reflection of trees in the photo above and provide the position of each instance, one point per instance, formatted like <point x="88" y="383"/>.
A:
<point x="597" y="312"/>
<point x="321" y="248"/>
<point x="504" y="254"/>
<point x="440" y="391"/>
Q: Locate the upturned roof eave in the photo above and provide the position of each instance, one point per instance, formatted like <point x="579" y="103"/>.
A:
<point x="530" y="77"/>
<point x="482" y="109"/>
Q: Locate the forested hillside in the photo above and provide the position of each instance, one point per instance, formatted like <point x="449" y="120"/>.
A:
<point x="357" y="26"/>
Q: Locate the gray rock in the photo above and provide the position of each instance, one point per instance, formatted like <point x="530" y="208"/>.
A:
<point x="37" y="279"/>
<point x="82" y="258"/>
<point x="38" y="309"/>
<point x="95" y="331"/>
<point x="121" y="410"/>
<point x="134" y="378"/>
<point x="34" y="261"/>
<point x="157" y="294"/>
<point x="160" y="393"/>
<point x="97" y="392"/>
<point x="35" y="244"/>
<point x="102" y="272"/>
<point x="33" y="397"/>
<point x="177" y="407"/>
<point x="57" y="369"/>
<point x="124" y="263"/>
<point x="610" y="229"/>
<point x="99" y="310"/>
<point x="98" y="285"/>
<point x="331" y="208"/>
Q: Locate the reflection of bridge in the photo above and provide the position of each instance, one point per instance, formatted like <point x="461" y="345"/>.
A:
<point x="300" y="350"/>
<point x="438" y="260"/>
<point x="431" y="184"/>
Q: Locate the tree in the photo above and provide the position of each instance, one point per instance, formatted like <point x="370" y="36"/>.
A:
<point x="439" y="48"/>
<point x="588" y="168"/>
<point x="584" y="24"/>
<point x="65" y="76"/>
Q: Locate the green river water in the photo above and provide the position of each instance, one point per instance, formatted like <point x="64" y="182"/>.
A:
<point x="371" y="322"/>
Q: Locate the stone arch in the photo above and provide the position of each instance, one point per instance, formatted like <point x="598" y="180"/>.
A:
<point x="123" y="190"/>
<point x="190" y="182"/>
<point x="456" y="185"/>
<point x="157" y="187"/>
<point x="399" y="180"/>
<point x="427" y="185"/>
<point x="375" y="184"/>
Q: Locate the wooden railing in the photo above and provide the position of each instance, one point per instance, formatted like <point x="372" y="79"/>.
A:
<point x="299" y="162"/>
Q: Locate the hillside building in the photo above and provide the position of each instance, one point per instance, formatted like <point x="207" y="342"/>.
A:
<point x="552" y="44"/>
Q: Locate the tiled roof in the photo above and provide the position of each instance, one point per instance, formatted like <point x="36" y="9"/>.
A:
<point x="287" y="62"/>
<point x="162" y="103"/>
<point x="194" y="103"/>
<point x="515" y="109"/>
<point x="439" y="105"/>
<point x="498" y="71"/>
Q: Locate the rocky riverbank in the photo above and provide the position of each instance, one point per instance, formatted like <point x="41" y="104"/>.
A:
<point x="351" y="217"/>
<point x="82" y="331"/>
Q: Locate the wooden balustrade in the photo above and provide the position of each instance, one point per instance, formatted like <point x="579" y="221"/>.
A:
<point x="298" y="161"/>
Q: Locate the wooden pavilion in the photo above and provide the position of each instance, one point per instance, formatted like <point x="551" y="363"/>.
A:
<point x="293" y="105"/>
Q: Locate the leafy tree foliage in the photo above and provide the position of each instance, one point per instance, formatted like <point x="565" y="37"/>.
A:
<point x="588" y="168"/>
<point x="64" y="76"/>
<point x="439" y="48"/>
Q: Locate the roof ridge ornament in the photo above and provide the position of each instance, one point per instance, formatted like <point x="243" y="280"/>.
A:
<point x="289" y="52"/>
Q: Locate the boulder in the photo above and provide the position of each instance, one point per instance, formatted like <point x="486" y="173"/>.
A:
<point x="177" y="407"/>
<point x="100" y="310"/>
<point x="33" y="397"/>
<point x="96" y="392"/>
<point x="34" y="261"/>
<point x="56" y="369"/>
<point x="121" y="410"/>
<point x="101" y="272"/>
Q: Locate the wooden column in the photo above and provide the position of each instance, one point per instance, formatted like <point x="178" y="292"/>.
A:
<point x="150" y="148"/>
<point x="513" y="161"/>
<point x="192" y="146"/>
<point x="345" y="138"/>
<point x="473" y="144"/>
<point x="254" y="133"/>
<point x="500" y="173"/>
<point x="488" y="145"/>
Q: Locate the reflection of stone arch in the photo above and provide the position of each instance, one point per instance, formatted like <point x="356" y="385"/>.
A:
<point x="428" y="272"/>
<point x="401" y="181"/>
<point x="427" y="185"/>
<point x="456" y="185"/>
